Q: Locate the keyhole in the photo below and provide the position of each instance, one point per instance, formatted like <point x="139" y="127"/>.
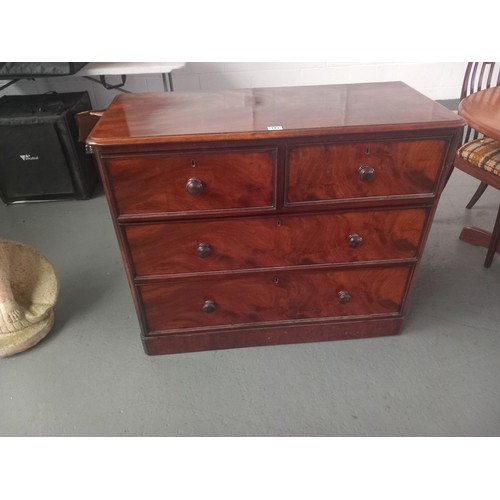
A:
<point x="278" y="223"/>
<point x="367" y="150"/>
<point x="193" y="163"/>
<point x="276" y="281"/>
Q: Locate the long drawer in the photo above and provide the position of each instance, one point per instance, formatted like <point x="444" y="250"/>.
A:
<point x="362" y="170"/>
<point x="193" y="183"/>
<point x="260" y="242"/>
<point x="273" y="297"/>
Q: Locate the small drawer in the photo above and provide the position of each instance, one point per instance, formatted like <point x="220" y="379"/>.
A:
<point x="273" y="297"/>
<point x="260" y="242"/>
<point x="362" y="170"/>
<point x="193" y="183"/>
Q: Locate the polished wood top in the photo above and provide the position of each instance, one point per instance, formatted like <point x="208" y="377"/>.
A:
<point x="248" y="113"/>
<point x="482" y="111"/>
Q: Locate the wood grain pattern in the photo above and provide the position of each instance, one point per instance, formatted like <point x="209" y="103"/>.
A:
<point x="272" y="297"/>
<point x="234" y="235"/>
<point x="247" y="113"/>
<point x="157" y="183"/>
<point x="331" y="171"/>
<point x="314" y="331"/>
<point x="260" y="242"/>
<point x="477" y="236"/>
<point x="481" y="110"/>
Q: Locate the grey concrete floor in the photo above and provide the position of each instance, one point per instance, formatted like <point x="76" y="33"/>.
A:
<point x="90" y="376"/>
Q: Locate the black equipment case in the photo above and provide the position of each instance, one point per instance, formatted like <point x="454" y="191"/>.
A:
<point x="40" y="156"/>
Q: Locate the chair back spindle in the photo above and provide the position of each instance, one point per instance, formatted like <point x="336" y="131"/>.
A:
<point x="478" y="76"/>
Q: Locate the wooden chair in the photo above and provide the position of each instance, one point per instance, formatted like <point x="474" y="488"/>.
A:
<point x="480" y="156"/>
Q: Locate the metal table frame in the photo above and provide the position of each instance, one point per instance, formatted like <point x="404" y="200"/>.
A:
<point x="97" y="73"/>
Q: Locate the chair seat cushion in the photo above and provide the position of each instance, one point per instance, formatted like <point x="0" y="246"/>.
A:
<point x="483" y="153"/>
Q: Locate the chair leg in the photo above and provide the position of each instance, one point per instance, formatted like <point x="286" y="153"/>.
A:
<point x="480" y="190"/>
<point x="495" y="237"/>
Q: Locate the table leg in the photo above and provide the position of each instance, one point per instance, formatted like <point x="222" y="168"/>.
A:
<point x="477" y="236"/>
<point x="168" y="85"/>
<point x="114" y="87"/>
<point x="9" y="84"/>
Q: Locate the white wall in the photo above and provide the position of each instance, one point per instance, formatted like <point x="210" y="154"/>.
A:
<point x="436" y="80"/>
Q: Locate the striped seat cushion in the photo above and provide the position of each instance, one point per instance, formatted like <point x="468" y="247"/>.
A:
<point x="483" y="153"/>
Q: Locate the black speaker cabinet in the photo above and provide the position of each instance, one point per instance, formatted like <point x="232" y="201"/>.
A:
<point x="40" y="155"/>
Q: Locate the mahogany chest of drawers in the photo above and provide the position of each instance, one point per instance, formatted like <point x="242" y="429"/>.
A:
<point x="269" y="216"/>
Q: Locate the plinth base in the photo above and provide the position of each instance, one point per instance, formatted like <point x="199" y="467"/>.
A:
<point x="16" y="342"/>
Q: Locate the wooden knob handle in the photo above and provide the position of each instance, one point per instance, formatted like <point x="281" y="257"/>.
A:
<point x="203" y="250"/>
<point x="355" y="240"/>
<point x="344" y="297"/>
<point x="194" y="187"/>
<point x="209" y="306"/>
<point x="366" y="173"/>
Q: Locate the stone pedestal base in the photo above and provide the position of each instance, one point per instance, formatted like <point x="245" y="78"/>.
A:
<point x="19" y="341"/>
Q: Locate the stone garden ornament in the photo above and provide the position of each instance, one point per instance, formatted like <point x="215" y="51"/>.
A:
<point x="28" y="293"/>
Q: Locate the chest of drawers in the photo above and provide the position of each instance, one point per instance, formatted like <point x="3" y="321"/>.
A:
<point x="268" y="216"/>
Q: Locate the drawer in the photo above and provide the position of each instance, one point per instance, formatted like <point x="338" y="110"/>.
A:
<point x="272" y="297"/>
<point x="191" y="183"/>
<point x="191" y="247"/>
<point x="362" y="170"/>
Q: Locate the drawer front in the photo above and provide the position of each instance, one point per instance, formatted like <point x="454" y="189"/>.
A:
<point x="189" y="247"/>
<point x="197" y="182"/>
<point x="362" y="170"/>
<point x="272" y="297"/>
